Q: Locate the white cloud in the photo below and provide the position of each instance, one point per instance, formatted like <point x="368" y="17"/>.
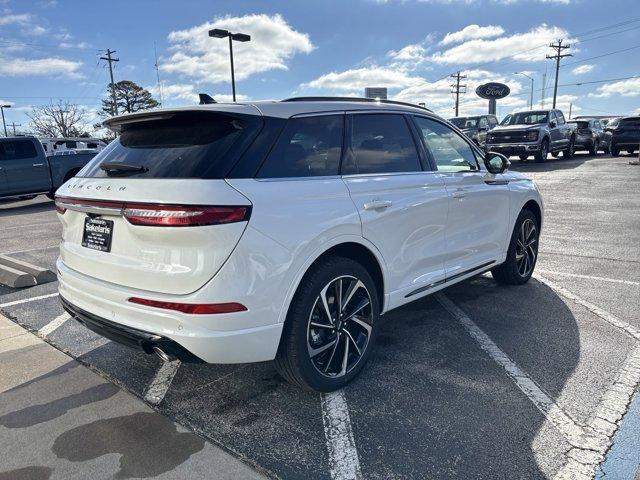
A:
<point x="15" y="19"/>
<point x="359" y="78"/>
<point x="519" y="46"/>
<point x="186" y="93"/>
<point x="582" y="69"/>
<point x="410" y="53"/>
<point x="626" y="88"/>
<point x="471" y="32"/>
<point x="273" y="43"/>
<point x="22" y="67"/>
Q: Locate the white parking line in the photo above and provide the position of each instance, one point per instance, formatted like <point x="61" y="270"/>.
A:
<point x="590" y="277"/>
<point x="583" y="461"/>
<point x="30" y="225"/>
<point x="31" y="250"/>
<point x="27" y="300"/>
<point x="606" y="316"/>
<point x="161" y="382"/>
<point x="343" y="456"/>
<point x="554" y="414"/>
<point x="54" y="324"/>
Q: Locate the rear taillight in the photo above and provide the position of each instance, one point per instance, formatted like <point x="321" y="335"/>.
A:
<point x="158" y="215"/>
<point x="183" y="216"/>
<point x="192" y="308"/>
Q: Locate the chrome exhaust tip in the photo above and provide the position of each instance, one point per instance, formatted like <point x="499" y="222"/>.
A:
<point x="160" y="353"/>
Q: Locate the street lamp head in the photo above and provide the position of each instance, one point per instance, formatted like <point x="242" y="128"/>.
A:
<point x="219" y="33"/>
<point x="241" y="37"/>
<point x="5" y="106"/>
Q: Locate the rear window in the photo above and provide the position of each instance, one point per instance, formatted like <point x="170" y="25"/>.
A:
<point x="580" y="124"/>
<point x="190" y="145"/>
<point x="17" y="150"/>
<point x="630" y="122"/>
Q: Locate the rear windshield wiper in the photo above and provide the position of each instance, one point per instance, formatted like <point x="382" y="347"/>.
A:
<point x="122" y="168"/>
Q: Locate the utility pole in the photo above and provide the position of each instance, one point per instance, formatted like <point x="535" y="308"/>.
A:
<point x="458" y="89"/>
<point x="558" y="48"/>
<point x="570" y="106"/>
<point x="14" y="125"/>
<point x="155" y="52"/>
<point x="110" y="59"/>
<point x="544" y="85"/>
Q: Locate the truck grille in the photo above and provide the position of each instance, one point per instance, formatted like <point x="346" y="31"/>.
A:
<point x="511" y="136"/>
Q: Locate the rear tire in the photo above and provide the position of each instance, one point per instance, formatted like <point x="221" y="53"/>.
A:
<point x="523" y="251"/>
<point x="615" y="151"/>
<point x="541" y="155"/>
<point x="630" y="151"/>
<point x="570" y="150"/>
<point x="323" y="347"/>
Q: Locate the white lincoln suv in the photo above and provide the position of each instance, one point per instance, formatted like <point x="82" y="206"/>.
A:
<point x="233" y="233"/>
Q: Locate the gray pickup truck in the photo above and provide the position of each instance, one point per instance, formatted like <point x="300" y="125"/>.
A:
<point x="536" y="132"/>
<point x="25" y="170"/>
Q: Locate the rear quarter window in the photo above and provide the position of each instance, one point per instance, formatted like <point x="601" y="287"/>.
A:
<point x="187" y="145"/>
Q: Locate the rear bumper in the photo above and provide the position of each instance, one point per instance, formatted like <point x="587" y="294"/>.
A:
<point x="220" y="338"/>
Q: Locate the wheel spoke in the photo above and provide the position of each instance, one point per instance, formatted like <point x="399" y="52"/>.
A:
<point x="353" y="342"/>
<point x="314" y="352"/>
<point x="339" y="305"/>
<point x="333" y="352"/>
<point x="345" y="358"/>
<point x="363" y="303"/>
<point x="363" y="324"/>
<point x="322" y="325"/>
<point x="325" y="304"/>
<point x="353" y="287"/>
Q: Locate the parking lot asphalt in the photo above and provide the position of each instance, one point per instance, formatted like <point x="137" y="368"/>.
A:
<point x="478" y="381"/>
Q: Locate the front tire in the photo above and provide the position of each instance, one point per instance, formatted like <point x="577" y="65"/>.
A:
<point x="615" y="151"/>
<point x="594" y="149"/>
<point x="523" y="251"/>
<point x="541" y="155"/>
<point x="523" y="157"/>
<point x="331" y="326"/>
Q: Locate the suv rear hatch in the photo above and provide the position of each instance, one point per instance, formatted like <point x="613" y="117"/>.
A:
<point x="152" y="211"/>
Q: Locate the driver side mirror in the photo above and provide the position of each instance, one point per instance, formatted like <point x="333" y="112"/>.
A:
<point x="496" y="162"/>
<point x="552" y="124"/>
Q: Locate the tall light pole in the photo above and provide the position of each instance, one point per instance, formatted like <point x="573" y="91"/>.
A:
<point x="530" y="78"/>
<point x="239" y="37"/>
<point x="2" y="107"/>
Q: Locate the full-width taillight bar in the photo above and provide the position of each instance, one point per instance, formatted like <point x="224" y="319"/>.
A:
<point x="192" y="308"/>
<point x="158" y="215"/>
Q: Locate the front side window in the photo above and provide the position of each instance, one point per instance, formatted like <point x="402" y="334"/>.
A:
<point x="381" y="143"/>
<point x="449" y="150"/>
<point x="308" y="147"/>
<point x="560" y="117"/>
<point x="17" y="150"/>
<point x="483" y="122"/>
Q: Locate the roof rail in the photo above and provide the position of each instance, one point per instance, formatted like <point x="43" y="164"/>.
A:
<point x="352" y="99"/>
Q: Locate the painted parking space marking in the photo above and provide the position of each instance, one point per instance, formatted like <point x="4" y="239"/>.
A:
<point x="54" y="324"/>
<point x="27" y="300"/>
<point x="161" y="382"/>
<point x="554" y="414"/>
<point x="50" y="222"/>
<point x="584" y="459"/>
<point x="603" y="314"/>
<point x="31" y="250"/>
<point x="590" y="277"/>
<point x="343" y="456"/>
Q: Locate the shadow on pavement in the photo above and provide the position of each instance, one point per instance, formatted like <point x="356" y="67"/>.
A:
<point x="10" y="208"/>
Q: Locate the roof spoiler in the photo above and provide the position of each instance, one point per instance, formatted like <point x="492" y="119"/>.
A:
<point x="206" y="99"/>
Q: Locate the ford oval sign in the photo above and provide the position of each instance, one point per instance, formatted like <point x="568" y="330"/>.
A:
<point x="493" y="91"/>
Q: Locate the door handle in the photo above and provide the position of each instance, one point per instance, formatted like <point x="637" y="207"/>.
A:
<point x="459" y="194"/>
<point x="38" y="164"/>
<point x="377" y="204"/>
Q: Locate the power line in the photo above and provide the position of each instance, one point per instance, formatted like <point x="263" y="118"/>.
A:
<point x="558" y="48"/>
<point x="600" y="56"/>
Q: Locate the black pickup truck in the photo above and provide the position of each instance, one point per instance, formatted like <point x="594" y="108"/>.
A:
<point x="25" y="170"/>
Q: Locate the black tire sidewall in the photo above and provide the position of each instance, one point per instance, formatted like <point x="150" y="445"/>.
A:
<point x="509" y="269"/>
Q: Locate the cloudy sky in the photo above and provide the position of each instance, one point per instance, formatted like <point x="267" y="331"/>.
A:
<point x="50" y="49"/>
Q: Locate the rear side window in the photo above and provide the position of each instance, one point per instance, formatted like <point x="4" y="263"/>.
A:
<point x="186" y="145"/>
<point x="307" y="147"/>
<point x="630" y="122"/>
<point x="381" y="144"/>
<point x="17" y="150"/>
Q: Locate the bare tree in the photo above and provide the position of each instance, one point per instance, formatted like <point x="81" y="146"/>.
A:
<point x="62" y="119"/>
